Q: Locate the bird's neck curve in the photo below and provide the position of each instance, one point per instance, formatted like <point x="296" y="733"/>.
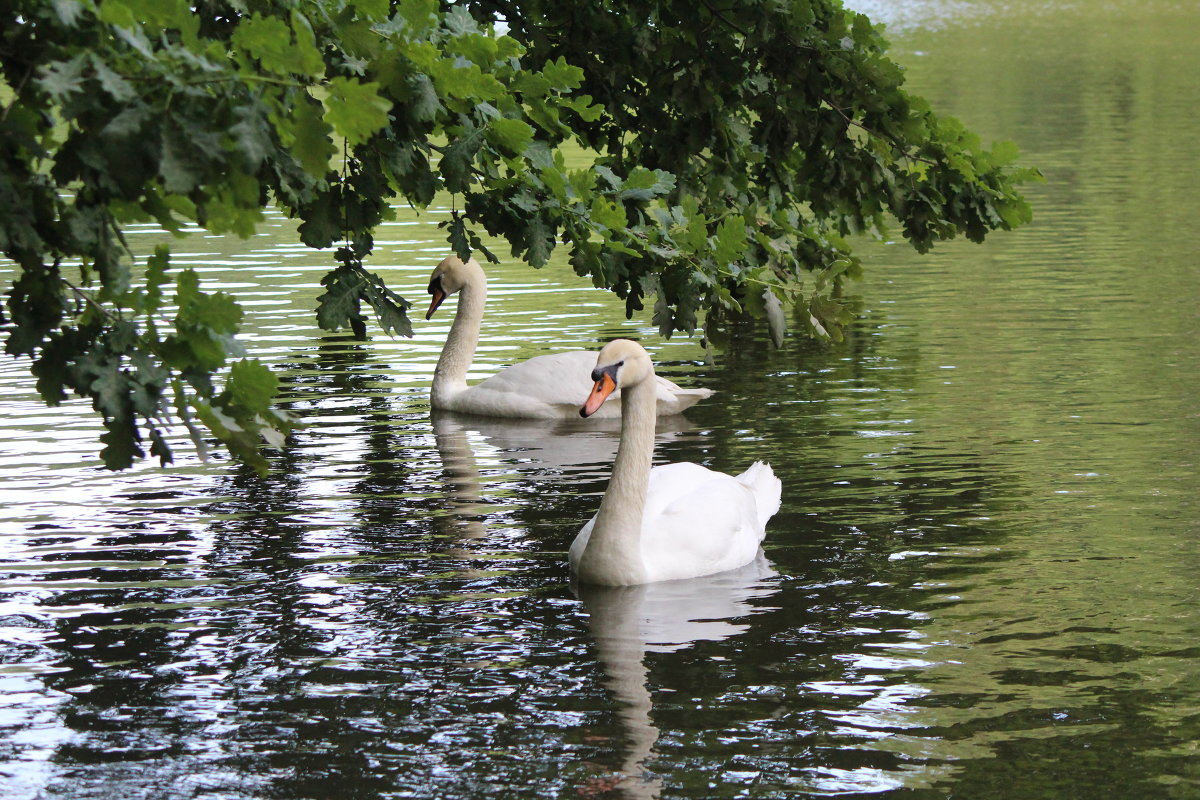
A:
<point x="614" y="551"/>
<point x="450" y="375"/>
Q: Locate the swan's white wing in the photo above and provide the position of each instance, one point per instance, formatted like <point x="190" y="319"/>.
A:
<point x="697" y="522"/>
<point x="547" y="386"/>
<point x="555" y="386"/>
<point x="580" y="543"/>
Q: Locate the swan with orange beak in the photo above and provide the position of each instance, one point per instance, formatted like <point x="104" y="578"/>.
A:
<point x="672" y="521"/>
<point x="544" y="387"/>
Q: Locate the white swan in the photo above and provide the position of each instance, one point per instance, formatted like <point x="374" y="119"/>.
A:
<point x="673" y="521"/>
<point x="544" y="387"/>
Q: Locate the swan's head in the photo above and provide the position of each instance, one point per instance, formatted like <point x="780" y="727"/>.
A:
<point x="449" y="277"/>
<point x="622" y="362"/>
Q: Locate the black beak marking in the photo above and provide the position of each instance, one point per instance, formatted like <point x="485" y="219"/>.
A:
<point x="610" y="370"/>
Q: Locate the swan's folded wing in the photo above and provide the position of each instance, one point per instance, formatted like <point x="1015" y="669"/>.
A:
<point x="579" y="544"/>
<point x="550" y="386"/>
<point x="555" y="386"/>
<point x="697" y="522"/>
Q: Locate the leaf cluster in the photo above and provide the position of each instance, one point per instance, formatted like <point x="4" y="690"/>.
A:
<point x="736" y="145"/>
<point x="783" y="129"/>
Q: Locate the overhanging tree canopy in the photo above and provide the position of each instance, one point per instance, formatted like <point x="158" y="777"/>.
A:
<point x="738" y="143"/>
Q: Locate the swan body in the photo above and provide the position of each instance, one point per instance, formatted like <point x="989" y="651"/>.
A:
<point x="544" y="387"/>
<point x="673" y="521"/>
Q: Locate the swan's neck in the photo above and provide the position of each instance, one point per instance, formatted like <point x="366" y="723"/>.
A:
<point x="614" y="550"/>
<point x="450" y="376"/>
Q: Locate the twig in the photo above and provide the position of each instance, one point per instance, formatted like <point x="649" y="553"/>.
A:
<point x="16" y="93"/>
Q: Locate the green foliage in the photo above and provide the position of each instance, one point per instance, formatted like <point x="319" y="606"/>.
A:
<point x="355" y="109"/>
<point x="737" y="148"/>
<point x="346" y="288"/>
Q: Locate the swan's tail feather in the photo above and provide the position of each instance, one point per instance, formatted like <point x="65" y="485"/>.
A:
<point x="673" y="398"/>
<point x="682" y="400"/>
<point x="768" y="490"/>
<point x="686" y="398"/>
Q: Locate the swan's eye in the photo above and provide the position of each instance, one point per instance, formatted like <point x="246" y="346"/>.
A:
<point x="619" y="365"/>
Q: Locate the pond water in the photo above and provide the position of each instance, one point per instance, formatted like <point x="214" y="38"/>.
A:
<point x="982" y="582"/>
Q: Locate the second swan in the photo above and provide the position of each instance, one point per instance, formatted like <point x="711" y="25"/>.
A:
<point x="544" y="387"/>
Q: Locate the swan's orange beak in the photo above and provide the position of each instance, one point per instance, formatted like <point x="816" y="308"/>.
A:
<point x="600" y="392"/>
<point x="438" y="297"/>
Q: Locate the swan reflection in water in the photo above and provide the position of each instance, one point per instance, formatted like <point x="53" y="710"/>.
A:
<point x="626" y="621"/>
<point x="629" y="621"/>
<point x="549" y="450"/>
